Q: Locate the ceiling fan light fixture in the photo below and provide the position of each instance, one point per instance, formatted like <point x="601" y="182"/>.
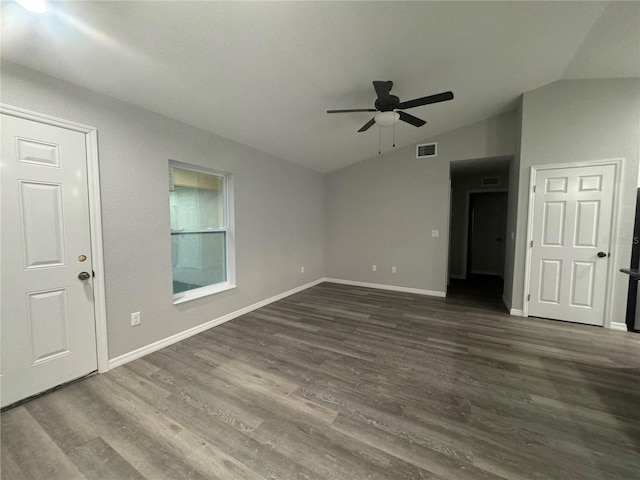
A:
<point x="386" y="119"/>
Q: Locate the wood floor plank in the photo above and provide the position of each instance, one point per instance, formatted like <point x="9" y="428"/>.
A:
<point x="259" y="457"/>
<point x="348" y="383"/>
<point x="61" y="421"/>
<point x="418" y="454"/>
<point x="34" y="452"/>
<point x="210" y="395"/>
<point x="181" y="442"/>
<point x="98" y="461"/>
<point x="320" y="453"/>
<point x="98" y="406"/>
<point x="9" y="467"/>
<point x="137" y="384"/>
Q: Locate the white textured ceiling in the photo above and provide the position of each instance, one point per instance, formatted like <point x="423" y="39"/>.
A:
<point x="264" y="73"/>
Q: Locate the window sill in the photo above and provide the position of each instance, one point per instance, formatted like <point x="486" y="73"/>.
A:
<point x="183" y="297"/>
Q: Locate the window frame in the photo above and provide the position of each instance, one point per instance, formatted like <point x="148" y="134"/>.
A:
<point x="228" y="221"/>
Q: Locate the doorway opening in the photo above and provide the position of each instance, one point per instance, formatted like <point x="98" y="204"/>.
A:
<point x="486" y="234"/>
<point x="479" y="191"/>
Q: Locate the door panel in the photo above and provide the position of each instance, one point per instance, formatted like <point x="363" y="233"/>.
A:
<point x="582" y="279"/>
<point x="39" y="153"/>
<point x="556" y="185"/>
<point x="571" y="223"/>
<point x="42" y="224"/>
<point x="47" y="312"/>
<point x="553" y="223"/>
<point x="590" y="183"/>
<point x="48" y="324"/>
<point x="550" y="281"/>
<point x="587" y="216"/>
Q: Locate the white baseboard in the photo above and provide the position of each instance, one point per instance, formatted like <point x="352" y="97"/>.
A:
<point x="165" y="342"/>
<point x="512" y="311"/>
<point x="380" y="286"/>
<point x="622" y="327"/>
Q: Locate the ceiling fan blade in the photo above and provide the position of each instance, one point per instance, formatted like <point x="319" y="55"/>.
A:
<point x="353" y="110"/>
<point x="367" y="125"/>
<point x="439" y="97"/>
<point x="382" y="88"/>
<point x="415" y="121"/>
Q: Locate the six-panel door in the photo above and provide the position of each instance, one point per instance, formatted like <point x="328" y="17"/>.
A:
<point x="571" y="229"/>
<point x="48" y="323"/>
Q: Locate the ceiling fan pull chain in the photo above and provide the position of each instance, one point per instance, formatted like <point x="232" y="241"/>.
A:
<point x="379" y="140"/>
<point x="394" y="134"/>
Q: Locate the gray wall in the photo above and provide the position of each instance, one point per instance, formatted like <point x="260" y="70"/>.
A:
<point x="512" y="210"/>
<point x="278" y="209"/>
<point x="381" y="211"/>
<point x="575" y="121"/>
<point x="462" y="185"/>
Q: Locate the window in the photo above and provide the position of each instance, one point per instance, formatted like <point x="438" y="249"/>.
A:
<point x="201" y="234"/>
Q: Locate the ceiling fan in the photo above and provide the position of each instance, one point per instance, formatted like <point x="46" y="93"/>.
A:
<point x="390" y="107"/>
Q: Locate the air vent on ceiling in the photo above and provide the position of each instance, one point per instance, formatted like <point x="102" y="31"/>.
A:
<point x="426" y="150"/>
<point x="490" y="181"/>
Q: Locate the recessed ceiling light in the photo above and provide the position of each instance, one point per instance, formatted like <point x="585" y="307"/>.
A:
<point x="35" y="6"/>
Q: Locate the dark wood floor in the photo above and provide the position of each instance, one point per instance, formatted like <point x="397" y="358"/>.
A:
<point x="350" y="383"/>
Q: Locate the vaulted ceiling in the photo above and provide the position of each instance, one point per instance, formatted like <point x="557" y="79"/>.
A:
<point x="264" y="73"/>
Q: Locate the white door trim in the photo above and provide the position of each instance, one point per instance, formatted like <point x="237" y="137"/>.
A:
<point x="93" y="183"/>
<point x="618" y="163"/>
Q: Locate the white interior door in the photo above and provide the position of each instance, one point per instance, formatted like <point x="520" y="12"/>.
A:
<point x="48" y="320"/>
<point x="569" y="252"/>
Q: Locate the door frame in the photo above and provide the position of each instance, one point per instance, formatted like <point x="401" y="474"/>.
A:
<point x="618" y="163"/>
<point x="95" y="219"/>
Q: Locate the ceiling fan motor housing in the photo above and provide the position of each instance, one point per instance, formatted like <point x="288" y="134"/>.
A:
<point x="387" y="104"/>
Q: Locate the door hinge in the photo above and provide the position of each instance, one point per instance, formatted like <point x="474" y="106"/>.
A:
<point x="534" y="189"/>
<point x="528" y="297"/>
<point x="531" y="244"/>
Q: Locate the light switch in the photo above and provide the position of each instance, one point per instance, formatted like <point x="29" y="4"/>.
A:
<point x="435" y="233"/>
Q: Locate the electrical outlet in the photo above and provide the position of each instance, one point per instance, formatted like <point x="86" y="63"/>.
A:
<point x="394" y="270"/>
<point x="302" y="269"/>
<point x="135" y="319"/>
<point x="374" y="268"/>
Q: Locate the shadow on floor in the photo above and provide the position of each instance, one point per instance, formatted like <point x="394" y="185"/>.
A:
<point x="477" y="286"/>
<point x="479" y="290"/>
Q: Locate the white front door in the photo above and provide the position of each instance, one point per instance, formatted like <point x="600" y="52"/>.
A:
<point x="48" y="321"/>
<point x="572" y="212"/>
